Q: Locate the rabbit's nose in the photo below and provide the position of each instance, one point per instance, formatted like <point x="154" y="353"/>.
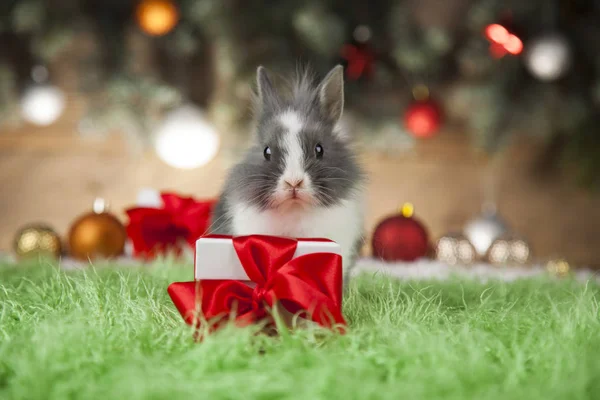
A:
<point x="294" y="184"/>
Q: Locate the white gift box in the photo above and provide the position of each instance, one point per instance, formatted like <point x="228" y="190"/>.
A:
<point x="216" y="258"/>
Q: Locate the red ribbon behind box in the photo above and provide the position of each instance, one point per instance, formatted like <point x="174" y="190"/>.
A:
<point x="156" y="230"/>
<point x="309" y="284"/>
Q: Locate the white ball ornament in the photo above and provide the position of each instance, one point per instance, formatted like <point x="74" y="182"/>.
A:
<point x="42" y="104"/>
<point x="185" y="139"/>
<point x="549" y="57"/>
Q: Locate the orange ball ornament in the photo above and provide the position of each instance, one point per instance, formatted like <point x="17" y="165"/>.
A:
<point x="98" y="234"/>
<point x="157" y="17"/>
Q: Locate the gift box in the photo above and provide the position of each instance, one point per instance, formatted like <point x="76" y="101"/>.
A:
<point x="245" y="278"/>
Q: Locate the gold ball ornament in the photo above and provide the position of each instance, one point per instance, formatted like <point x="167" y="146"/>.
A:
<point x="97" y="234"/>
<point x="445" y="249"/>
<point x="465" y="251"/>
<point x="157" y="17"/>
<point x="499" y="252"/>
<point x="37" y="240"/>
<point x="509" y="250"/>
<point x="520" y="251"/>
<point x="559" y="268"/>
<point x="455" y="248"/>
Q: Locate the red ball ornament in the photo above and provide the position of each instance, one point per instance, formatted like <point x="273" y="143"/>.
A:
<point x="400" y="237"/>
<point x="423" y="118"/>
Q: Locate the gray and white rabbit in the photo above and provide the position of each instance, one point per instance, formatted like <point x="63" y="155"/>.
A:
<point x="300" y="178"/>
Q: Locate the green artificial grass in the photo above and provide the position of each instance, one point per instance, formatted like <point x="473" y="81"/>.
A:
<point x="110" y="333"/>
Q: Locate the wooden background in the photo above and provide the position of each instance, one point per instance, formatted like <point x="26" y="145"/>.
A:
<point x="52" y="175"/>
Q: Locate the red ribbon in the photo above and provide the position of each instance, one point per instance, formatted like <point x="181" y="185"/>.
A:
<point x="156" y="230"/>
<point x="309" y="285"/>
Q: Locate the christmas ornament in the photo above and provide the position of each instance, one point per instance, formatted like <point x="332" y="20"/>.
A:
<point x="455" y="248"/>
<point x="548" y="57"/>
<point x="423" y="117"/>
<point x="157" y="17"/>
<point x="482" y="231"/>
<point x="509" y="250"/>
<point x="37" y="240"/>
<point x="358" y="57"/>
<point x="502" y="42"/>
<point x="520" y="251"/>
<point x="559" y="268"/>
<point x="42" y="103"/>
<point x="499" y="252"/>
<point x="174" y="225"/>
<point x="185" y="139"/>
<point x="400" y="237"/>
<point x="98" y="234"/>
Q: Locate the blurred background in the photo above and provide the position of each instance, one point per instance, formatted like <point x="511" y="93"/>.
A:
<point x="471" y="110"/>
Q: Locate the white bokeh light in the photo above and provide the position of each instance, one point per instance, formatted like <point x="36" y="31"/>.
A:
<point x="548" y="58"/>
<point x="362" y="33"/>
<point x="186" y="139"/>
<point x="42" y="104"/>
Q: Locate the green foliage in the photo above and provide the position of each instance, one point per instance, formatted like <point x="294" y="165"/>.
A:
<point x="113" y="333"/>
<point x="8" y="95"/>
<point x="45" y="26"/>
<point x="583" y="153"/>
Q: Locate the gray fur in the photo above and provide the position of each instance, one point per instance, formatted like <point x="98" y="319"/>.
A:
<point x="331" y="94"/>
<point x="220" y="223"/>
<point x="355" y="255"/>
<point x="334" y="176"/>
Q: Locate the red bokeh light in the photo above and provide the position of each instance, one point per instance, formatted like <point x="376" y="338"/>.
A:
<point x="502" y="41"/>
<point x="497" y="33"/>
<point x="423" y="119"/>
<point x="513" y="45"/>
<point x="497" y="50"/>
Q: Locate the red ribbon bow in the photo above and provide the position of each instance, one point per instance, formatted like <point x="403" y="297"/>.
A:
<point x="310" y="285"/>
<point x="156" y="230"/>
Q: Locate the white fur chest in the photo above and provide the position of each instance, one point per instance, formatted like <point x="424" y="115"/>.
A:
<point x="342" y="223"/>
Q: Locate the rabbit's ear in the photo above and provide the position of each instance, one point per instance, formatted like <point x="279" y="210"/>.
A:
<point x="331" y="94"/>
<point x="267" y="96"/>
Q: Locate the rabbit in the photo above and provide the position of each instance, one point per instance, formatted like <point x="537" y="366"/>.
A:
<point x="300" y="177"/>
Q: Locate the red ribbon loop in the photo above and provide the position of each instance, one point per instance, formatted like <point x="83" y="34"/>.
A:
<point x="157" y="230"/>
<point x="309" y="284"/>
<point x="258" y="296"/>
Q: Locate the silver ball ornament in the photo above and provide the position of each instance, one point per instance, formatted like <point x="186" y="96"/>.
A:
<point x="483" y="231"/>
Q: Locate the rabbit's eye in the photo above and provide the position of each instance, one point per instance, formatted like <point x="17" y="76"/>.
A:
<point x="319" y="151"/>
<point x="267" y="153"/>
